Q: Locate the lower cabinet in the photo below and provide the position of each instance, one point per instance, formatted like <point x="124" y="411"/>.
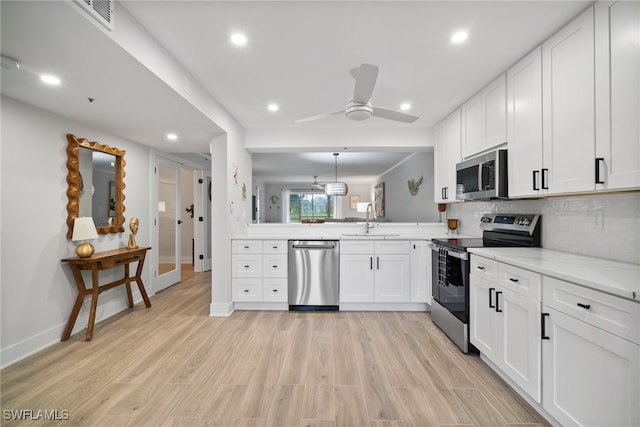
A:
<point x="591" y="377"/>
<point x="375" y="271"/>
<point x="259" y="271"/>
<point x="505" y="322"/>
<point x="574" y="350"/>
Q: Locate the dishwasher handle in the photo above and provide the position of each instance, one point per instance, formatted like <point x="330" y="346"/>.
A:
<point x="323" y="247"/>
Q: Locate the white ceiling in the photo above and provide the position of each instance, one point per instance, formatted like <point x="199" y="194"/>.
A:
<point x="299" y="55"/>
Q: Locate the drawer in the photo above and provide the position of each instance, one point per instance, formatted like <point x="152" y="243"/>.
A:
<point x="392" y="246"/>
<point x="274" y="247"/>
<point x="356" y="246"/>
<point x="246" y="265"/>
<point x="247" y="289"/>
<point x="274" y="290"/>
<point x="246" y="246"/>
<point x="616" y="315"/>
<point x="519" y="280"/>
<point x="274" y="265"/>
<point x="484" y="267"/>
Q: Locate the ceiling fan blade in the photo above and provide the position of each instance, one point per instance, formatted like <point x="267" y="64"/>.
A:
<point x="365" y="82"/>
<point x="320" y="116"/>
<point x="398" y="116"/>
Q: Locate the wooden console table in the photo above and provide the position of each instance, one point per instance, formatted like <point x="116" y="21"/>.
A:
<point x="95" y="263"/>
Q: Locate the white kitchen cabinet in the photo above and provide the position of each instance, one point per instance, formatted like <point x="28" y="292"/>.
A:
<point x="591" y="377"/>
<point x="617" y="26"/>
<point x="505" y="317"/>
<point x="569" y="108"/>
<point x="375" y="271"/>
<point x="259" y="270"/>
<point x="524" y="125"/>
<point x="446" y="155"/>
<point x="484" y="119"/>
<point x="420" y="277"/>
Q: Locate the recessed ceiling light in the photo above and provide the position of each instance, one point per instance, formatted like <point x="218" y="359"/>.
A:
<point x="238" y="39"/>
<point x="273" y="107"/>
<point x="172" y="136"/>
<point x="50" y="80"/>
<point x="406" y="106"/>
<point x="459" y="37"/>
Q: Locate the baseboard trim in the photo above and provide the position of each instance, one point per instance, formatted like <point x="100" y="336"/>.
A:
<point x="221" y="309"/>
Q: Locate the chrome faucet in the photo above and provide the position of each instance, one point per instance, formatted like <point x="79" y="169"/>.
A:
<point x="369" y="225"/>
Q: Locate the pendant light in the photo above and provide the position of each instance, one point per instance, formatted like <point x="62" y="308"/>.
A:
<point x="336" y="188"/>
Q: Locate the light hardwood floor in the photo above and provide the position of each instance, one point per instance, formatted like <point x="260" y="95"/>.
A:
<point x="172" y="365"/>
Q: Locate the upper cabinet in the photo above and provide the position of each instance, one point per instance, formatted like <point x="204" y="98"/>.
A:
<point x="446" y="155"/>
<point x="524" y="125"/>
<point x="568" y="132"/>
<point x="617" y="26"/>
<point x="484" y="119"/>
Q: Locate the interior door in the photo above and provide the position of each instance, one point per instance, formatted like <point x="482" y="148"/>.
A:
<point x="167" y="174"/>
<point x="202" y="233"/>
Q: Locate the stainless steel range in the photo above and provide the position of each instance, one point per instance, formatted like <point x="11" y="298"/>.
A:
<point x="450" y="268"/>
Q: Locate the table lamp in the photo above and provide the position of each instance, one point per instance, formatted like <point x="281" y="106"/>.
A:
<point x="84" y="229"/>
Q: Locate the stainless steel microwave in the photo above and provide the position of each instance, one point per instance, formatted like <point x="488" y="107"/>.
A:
<point x="483" y="177"/>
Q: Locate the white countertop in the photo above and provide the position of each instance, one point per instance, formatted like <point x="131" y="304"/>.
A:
<point x="617" y="278"/>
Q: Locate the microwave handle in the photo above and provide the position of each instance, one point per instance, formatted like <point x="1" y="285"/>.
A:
<point x="480" y="176"/>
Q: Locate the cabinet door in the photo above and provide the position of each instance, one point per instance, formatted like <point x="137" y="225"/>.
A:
<point x="520" y="352"/>
<point x="590" y="377"/>
<point x="472" y="126"/>
<point x="392" y="278"/>
<point x="494" y="98"/>
<point x="568" y="107"/>
<point x="420" y="260"/>
<point x="524" y="125"/>
<point x="356" y="278"/>
<point x="483" y="317"/>
<point x="440" y="167"/>
<point x="618" y="94"/>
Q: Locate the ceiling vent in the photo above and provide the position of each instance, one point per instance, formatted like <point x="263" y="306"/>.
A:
<point x="100" y="10"/>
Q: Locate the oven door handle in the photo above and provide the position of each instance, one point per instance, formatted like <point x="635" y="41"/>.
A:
<point x="460" y="255"/>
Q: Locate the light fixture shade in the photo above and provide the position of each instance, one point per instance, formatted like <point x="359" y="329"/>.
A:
<point x="362" y="206"/>
<point x="336" y="188"/>
<point x="84" y="229"/>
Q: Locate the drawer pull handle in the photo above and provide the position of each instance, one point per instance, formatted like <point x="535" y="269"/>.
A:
<point x="498" y="293"/>
<point x="275" y="291"/>
<point x="514" y="280"/>
<point x="246" y="247"/>
<point x="543" y="327"/>
<point x="274" y="247"/>
<point x="274" y="266"/>
<point x="490" y="293"/>
<point x="246" y="266"/>
<point x="585" y="306"/>
<point x="246" y="291"/>
<point x="480" y="267"/>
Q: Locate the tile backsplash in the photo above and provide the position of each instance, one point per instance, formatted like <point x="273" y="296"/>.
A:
<point x="603" y="226"/>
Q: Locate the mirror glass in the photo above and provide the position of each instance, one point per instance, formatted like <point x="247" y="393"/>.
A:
<point x="95" y="175"/>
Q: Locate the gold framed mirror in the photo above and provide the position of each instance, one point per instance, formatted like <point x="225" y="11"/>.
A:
<point x="95" y="178"/>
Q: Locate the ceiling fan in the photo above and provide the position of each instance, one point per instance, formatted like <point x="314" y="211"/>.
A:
<point x="360" y="108"/>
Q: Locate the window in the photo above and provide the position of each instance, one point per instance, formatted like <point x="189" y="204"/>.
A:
<point x="310" y="206"/>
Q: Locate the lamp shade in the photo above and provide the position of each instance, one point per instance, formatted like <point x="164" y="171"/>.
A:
<point x="336" y="188"/>
<point x="362" y="206"/>
<point x="84" y="229"/>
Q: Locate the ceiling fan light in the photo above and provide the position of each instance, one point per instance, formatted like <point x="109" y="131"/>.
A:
<point x="358" y="112"/>
<point x="336" y="188"/>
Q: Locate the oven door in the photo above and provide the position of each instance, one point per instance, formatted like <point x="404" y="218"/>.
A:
<point x="450" y="280"/>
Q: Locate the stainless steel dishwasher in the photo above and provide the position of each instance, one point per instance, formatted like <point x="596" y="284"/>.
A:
<point x="314" y="275"/>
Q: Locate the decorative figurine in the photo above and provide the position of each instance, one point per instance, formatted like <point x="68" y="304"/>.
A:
<point x="133" y="226"/>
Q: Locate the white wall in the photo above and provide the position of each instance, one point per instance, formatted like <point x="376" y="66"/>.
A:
<point x="38" y="291"/>
<point x="400" y="205"/>
<point x="567" y="222"/>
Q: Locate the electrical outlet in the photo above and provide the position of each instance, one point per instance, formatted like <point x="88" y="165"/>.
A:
<point x="597" y="218"/>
